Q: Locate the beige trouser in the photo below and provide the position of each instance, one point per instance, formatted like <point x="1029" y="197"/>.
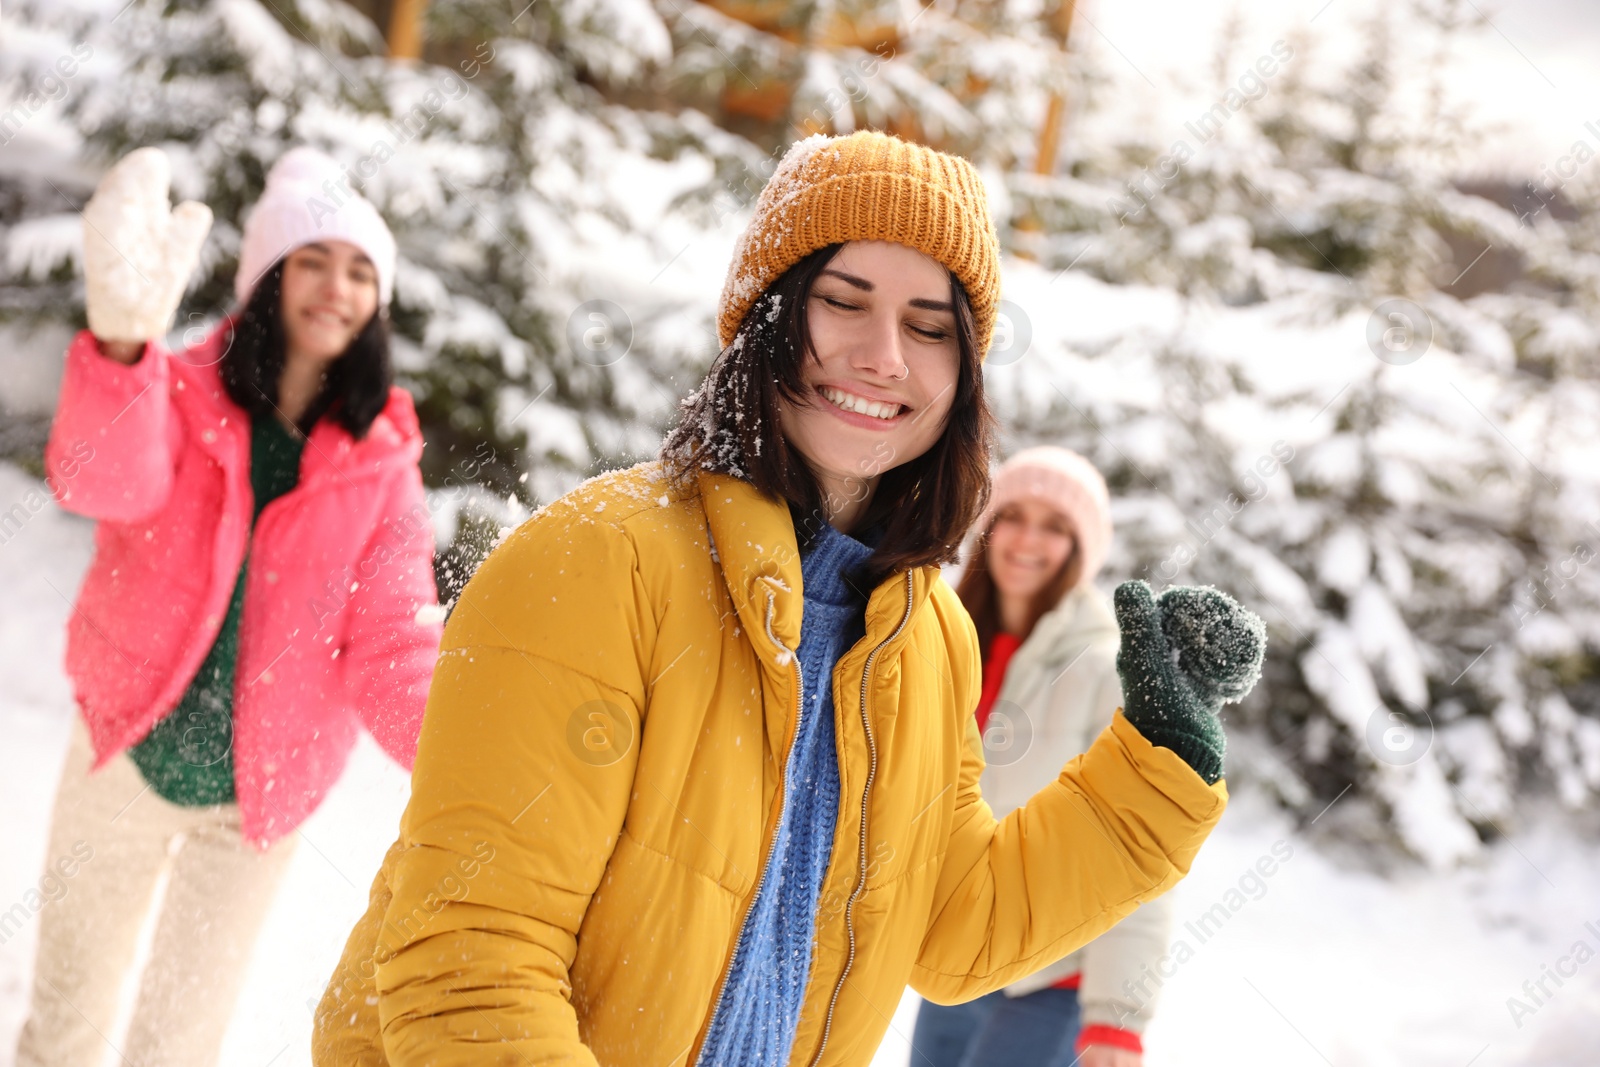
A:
<point x="218" y="890"/>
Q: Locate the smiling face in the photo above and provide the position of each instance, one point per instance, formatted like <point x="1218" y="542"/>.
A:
<point x="882" y="384"/>
<point x="330" y="293"/>
<point x="1029" y="543"/>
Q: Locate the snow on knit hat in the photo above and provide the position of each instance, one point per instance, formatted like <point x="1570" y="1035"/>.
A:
<point x="867" y="186"/>
<point x="1065" y="481"/>
<point x="308" y="198"/>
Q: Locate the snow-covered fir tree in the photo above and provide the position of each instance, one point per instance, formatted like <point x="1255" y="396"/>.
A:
<point x="510" y="180"/>
<point x="525" y="169"/>
<point x="1300" y="409"/>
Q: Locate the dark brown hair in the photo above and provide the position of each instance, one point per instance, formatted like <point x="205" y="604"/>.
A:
<point x="357" y="386"/>
<point x="977" y="590"/>
<point x="730" y="426"/>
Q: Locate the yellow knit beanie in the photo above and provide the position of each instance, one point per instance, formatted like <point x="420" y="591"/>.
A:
<point x="867" y="186"/>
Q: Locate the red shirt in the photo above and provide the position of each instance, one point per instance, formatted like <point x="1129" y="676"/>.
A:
<point x="994" y="672"/>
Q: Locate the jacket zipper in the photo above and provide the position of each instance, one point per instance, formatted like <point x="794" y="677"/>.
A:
<point x="783" y="789"/>
<point x="866" y="793"/>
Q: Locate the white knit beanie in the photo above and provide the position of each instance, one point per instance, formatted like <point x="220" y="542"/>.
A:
<point x="1065" y="481"/>
<point x="309" y="198"/>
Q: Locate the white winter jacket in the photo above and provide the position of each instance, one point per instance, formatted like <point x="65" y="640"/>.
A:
<point x="1060" y="690"/>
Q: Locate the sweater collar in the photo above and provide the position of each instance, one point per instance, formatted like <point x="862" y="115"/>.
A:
<point x="829" y="566"/>
<point x="754" y="539"/>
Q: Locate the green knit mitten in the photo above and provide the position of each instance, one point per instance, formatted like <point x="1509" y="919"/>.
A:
<point x="1183" y="656"/>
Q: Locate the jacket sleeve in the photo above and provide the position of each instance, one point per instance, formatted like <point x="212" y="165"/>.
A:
<point x="393" y="638"/>
<point x="114" y="440"/>
<point x="541" y="670"/>
<point x="1120" y="825"/>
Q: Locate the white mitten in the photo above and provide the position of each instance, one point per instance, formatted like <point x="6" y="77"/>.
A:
<point x="137" y="252"/>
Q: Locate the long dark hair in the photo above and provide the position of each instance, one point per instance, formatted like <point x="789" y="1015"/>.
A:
<point x="730" y="426"/>
<point x="357" y="387"/>
<point x="981" y="596"/>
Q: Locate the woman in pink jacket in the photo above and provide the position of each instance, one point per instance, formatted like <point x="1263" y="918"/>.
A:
<point x="262" y="586"/>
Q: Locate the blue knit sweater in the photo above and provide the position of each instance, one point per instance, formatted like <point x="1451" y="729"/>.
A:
<point x="755" y="1019"/>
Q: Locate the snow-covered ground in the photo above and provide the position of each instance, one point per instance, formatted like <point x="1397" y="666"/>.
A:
<point x="1327" y="964"/>
<point x="1321" y="962"/>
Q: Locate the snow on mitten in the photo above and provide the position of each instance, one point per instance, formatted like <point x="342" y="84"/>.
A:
<point x="1183" y="656"/>
<point x="137" y="253"/>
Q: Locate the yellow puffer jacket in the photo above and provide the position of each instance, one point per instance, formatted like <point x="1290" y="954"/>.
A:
<point x="595" y="790"/>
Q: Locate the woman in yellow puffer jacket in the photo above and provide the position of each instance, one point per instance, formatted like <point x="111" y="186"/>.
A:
<point x="698" y="777"/>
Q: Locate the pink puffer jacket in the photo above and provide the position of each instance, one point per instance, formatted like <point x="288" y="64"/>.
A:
<point x="340" y="615"/>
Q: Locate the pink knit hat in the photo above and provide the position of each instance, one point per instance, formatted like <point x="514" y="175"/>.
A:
<point x="309" y="198"/>
<point x="1065" y="481"/>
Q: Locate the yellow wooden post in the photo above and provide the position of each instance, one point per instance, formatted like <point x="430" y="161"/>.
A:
<point x="405" y="28"/>
<point x="1059" y="22"/>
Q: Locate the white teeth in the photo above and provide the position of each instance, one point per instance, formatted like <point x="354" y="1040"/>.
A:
<point x="851" y="402"/>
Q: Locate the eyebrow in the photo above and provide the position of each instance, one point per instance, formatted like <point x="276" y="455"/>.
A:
<point x="866" y="287"/>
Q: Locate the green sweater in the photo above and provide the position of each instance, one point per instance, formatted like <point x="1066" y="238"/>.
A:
<point x="187" y="757"/>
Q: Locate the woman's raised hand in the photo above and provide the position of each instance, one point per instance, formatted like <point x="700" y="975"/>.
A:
<point x="138" y="252"/>
<point x="1183" y="656"/>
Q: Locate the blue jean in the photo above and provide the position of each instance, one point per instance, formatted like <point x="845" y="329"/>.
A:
<point x="1037" y="1030"/>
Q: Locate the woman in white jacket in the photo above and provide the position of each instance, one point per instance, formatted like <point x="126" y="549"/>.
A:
<point x="1049" y="643"/>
